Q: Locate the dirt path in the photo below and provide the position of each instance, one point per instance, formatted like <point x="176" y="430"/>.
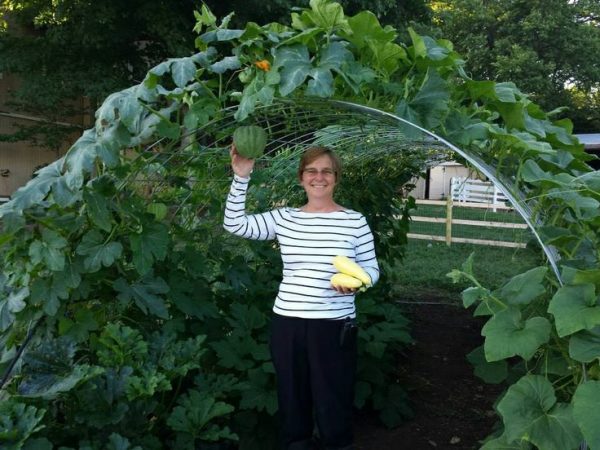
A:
<point x="453" y="408"/>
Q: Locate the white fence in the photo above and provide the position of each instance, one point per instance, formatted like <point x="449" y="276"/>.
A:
<point x="469" y="190"/>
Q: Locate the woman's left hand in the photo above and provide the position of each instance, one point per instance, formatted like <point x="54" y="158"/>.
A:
<point x="343" y="290"/>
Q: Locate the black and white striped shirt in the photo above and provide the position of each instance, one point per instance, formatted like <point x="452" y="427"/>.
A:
<point x="308" y="242"/>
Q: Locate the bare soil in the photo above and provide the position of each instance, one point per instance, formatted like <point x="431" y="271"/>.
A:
<point x="453" y="409"/>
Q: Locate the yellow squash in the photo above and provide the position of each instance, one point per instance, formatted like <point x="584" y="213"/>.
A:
<point x="346" y="281"/>
<point x="349" y="267"/>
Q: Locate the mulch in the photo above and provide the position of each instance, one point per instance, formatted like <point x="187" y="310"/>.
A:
<point x="453" y="409"/>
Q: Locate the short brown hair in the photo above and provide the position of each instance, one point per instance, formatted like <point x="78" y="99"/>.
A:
<point x="312" y="153"/>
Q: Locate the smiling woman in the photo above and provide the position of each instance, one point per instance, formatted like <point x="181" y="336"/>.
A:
<point x="319" y="173"/>
<point x="313" y="330"/>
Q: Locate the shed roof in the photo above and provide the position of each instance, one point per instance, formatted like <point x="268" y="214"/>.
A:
<point x="590" y="140"/>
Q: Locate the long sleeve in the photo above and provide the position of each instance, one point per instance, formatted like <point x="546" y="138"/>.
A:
<point x="365" y="252"/>
<point x="236" y="221"/>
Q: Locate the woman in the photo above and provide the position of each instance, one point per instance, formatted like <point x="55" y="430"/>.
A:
<point x="313" y="345"/>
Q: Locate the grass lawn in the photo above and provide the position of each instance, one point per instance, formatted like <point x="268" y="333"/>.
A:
<point x="462" y="212"/>
<point x="423" y="271"/>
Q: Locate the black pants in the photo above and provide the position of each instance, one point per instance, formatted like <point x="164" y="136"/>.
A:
<point x="314" y="372"/>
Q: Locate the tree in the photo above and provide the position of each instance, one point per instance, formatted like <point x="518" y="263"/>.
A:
<point x="63" y="52"/>
<point x="547" y="48"/>
<point x="393" y="12"/>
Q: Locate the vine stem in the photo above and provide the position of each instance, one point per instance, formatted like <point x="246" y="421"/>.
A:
<point x="6" y="376"/>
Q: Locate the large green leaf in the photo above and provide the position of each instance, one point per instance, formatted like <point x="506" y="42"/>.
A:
<point x="118" y="442"/>
<point x="323" y="14"/>
<point x="506" y="92"/>
<point x="146" y="295"/>
<point x="200" y="112"/>
<point x="437" y="50"/>
<point x="530" y="411"/>
<point x="585" y="411"/>
<point x="195" y="415"/>
<point x="48" y="292"/>
<point x="11" y="305"/>
<point x="356" y="74"/>
<point x="240" y="352"/>
<point x="97" y="209"/>
<point x="490" y="372"/>
<point x="62" y="193"/>
<point x="575" y="308"/>
<point x="419" y="48"/>
<point x="148" y="246"/>
<point x="49" y="370"/>
<point x="120" y="345"/>
<point x="431" y="101"/>
<point x="321" y="83"/>
<point x="386" y="56"/>
<point x="80" y="158"/>
<point x="49" y="250"/>
<point x="78" y="328"/>
<point x="246" y="317"/>
<point x="334" y="55"/>
<point x="192" y="297"/>
<point x="258" y="392"/>
<point x="576" y="276"/>
<point x="533" y="173"/>
<point x="583" y="206"/>
<point x="501" y="443"/>
<point x="473" y="294"/>
<point x="98" y="251"/>
<point x="584" y="346"/>
<point x="295" y="63"/>
<point x="507" y="334"/>
<point x="227" y="63"/>
<point x="51" y="385"/>
<point x="15" y="301"/>
<point x="38" y="444"/>
<point x="183" y="71"/>
<point x="19" y="421"/>
<point x="525" y="287"/>
<point x="365" y="26"/>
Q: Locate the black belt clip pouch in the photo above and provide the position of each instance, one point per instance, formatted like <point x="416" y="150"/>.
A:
<point x="348" y="333"/>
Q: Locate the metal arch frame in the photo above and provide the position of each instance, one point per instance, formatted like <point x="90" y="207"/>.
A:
<point x="483" y="167"/>
<point x="550" y="252"/>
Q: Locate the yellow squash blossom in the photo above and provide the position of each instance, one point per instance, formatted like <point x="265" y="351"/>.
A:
<point x="263" y="64"/>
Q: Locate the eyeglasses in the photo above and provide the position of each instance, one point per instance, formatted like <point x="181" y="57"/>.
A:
<point x="313" y="172"/>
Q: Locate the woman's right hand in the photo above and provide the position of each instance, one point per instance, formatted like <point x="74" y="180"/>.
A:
<point x="241" y="166"/>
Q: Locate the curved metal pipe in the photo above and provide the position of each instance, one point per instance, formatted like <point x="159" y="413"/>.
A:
<point x="550" y="252"/>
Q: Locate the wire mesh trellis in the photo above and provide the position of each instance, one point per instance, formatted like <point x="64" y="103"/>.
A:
<point x="356" y="132"/>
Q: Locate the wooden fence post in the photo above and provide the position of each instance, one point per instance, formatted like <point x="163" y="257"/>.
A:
<point x="449" y="220"/>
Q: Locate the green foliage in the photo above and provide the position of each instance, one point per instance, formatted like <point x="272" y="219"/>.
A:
<point x="518" y="42"/>
<point x="104" y="55"/>
<point x="525" y="322"/>
<point x="153" y="322"/>
<point x="18" y="422"/>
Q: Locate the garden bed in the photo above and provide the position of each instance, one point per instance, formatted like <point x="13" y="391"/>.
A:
<point x="453" y="408"/>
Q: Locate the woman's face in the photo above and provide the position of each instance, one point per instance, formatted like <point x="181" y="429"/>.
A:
<point x="318" y="178"/>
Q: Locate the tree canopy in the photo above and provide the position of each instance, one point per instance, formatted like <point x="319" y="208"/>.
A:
<point x="547" y="48"/>
<point x="63" y="52"/>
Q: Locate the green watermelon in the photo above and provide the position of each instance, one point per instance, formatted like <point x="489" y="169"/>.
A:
<point x="250" y="141"/>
